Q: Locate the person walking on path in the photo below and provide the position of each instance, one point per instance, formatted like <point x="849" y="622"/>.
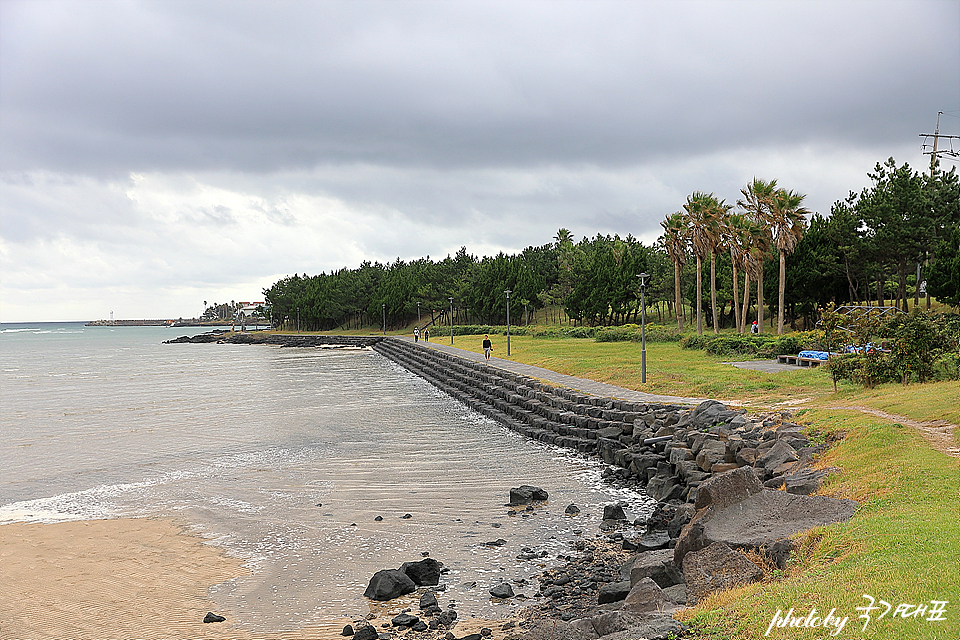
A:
<point x="426" y="335"/>
<point x="487" y="347"/>
<point x="416" y="334"/>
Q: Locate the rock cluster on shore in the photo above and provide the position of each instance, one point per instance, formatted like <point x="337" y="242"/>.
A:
<point x="276" y="339"/>
<point x="706" y="466"/>
<point x="630" y="581"/>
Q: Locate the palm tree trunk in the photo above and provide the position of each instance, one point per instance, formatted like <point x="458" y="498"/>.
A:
<point x="676" y="295"/>
<point x="760" y="302"/>
<point x="736" y="294"/>
<point x="713" y="291"/>
<point x="746" y="300"/>
<point x="699" y="297"/>
<point x="783" y="275"/>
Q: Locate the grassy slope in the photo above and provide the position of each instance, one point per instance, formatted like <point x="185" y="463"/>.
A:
<point x="904" y="542"/>
<point x="901" y="546"/>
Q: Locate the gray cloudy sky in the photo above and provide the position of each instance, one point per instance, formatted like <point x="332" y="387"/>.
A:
<point x="157" y="154"/>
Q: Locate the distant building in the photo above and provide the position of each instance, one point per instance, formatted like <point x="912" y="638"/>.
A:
<point x="247" y="309"/>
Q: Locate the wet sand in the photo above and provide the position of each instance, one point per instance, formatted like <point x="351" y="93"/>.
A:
<point x="125" y="578"/>
<point x="142" y="578"/>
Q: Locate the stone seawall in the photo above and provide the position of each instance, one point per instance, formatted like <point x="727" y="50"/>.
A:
<point x="698" y="442"/>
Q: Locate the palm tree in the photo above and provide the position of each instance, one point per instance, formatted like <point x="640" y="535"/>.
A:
<point x="787" y="224"/>
<point x="719" y="210"/>
<point x="736" y="234"/>
<point x="755" y="247"/>
<point x="675" y="241"/>
<point x="756" y="203"/>
<point x="702" y="224"/>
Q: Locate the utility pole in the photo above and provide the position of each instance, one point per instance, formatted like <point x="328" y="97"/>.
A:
<point x="508" y="320"/>
<point x="933" y="173"/>
<point x="935" y="152"/>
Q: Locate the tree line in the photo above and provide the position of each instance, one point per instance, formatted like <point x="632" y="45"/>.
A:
<point x="870" y="248"/>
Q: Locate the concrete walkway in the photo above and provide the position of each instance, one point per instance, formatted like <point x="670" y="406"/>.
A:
<point x="583" y="385"/>
<point x="767" y="366"/>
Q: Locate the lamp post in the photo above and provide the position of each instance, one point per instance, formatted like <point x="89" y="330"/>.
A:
<point x="508" y="320"/>
<point x="298" y="319"/>
<point x="643" y="326"/>
<point x="451" y="319"/>
<point x="418" y="316"/>
<point x="384" y="305"/>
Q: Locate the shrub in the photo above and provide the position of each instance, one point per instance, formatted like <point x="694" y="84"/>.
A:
<point x="916" y="342"/>
<point x="634" y="333"/>
<point x="625" y="333"/>
<point x="762" y="346"/>
<point x="866" y="369"/>
<point x="694" y="342"/>
<point x="578" y="332"/>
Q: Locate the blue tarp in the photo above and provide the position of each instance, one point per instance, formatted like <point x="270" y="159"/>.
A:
<point x="817" y="355"/>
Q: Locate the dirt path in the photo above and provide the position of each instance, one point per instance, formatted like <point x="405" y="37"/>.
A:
<point x="938" y="433"/>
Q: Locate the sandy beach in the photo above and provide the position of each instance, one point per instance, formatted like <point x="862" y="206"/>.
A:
<point x="100" y="579"/>
<point x="125" y="579"/>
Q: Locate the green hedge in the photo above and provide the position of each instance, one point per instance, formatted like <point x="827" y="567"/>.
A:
<point x="634" y="333"/>
<point x="501" y="330"/>
<point x="761" y="346"/>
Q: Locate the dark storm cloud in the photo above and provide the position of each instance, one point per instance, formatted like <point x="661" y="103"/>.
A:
<point x="113" y="87"/>
<point x="154" y="154"/>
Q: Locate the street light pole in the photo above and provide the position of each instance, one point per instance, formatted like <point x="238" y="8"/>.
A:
<point x="384" y="305"/>
<point x="298" y="319"/>
<point x="643" y="326"/>
<point x="418" y="316"/>
<point x="508" y="320"/>
<point x="451" y="319"/>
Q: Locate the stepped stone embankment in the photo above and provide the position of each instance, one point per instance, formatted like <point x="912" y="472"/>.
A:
<point x="690" y="444"/>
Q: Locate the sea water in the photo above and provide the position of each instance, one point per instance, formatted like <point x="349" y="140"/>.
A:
<point x="285" y="457"/>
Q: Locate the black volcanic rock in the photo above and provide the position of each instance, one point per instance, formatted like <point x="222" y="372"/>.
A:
<point x="388" y="584"/>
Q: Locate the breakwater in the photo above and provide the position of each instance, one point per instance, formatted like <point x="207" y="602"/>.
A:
<point x="129" y="323"/>
<point x="277" y="339"/>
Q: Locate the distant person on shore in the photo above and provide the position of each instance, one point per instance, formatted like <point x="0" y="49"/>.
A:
<point x="426" y="335"/>
<point x="416" y="334"/>
<point x="487" y="347"/>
